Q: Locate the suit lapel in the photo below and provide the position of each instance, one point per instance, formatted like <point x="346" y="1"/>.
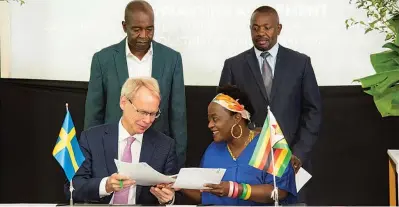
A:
<point x="254" y="65"/>
<point x="278" y="71"/>
<point x="147" y="149"/>
<point x="157" y="62"/>
<point x="120" y="62"/>
<point x="110" y="145"/>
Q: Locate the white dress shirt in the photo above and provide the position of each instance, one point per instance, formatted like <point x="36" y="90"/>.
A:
<point x="137" y="67"/>
<point x="271" y="59"/>
<point x="135" y="149"/>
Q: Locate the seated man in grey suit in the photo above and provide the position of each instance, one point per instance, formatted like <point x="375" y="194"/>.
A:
<point x="129" y="140"/>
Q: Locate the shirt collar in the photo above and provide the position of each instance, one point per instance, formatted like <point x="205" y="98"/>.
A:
<point x="128" y="52"/>
<point x="273" y="51"/>
<point x="123" y="134"/>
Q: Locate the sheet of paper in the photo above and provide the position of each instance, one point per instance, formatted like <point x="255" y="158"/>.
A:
<point x="142" y="173"/>
<point x="301" y="177"/>
<point x="195" y="178"/>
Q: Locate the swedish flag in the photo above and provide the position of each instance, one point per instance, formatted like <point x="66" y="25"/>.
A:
<point x="67" y="150"/>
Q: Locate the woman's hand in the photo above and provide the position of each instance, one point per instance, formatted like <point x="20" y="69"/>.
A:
<point x="221" y="189"/>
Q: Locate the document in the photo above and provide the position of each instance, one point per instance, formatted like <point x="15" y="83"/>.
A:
<point x="142" y="173"/>
<point x="301" y="177"/>
<point x="195" y="178"/>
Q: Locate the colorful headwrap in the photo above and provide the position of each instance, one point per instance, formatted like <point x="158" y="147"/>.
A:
<point x="232" y="105"/>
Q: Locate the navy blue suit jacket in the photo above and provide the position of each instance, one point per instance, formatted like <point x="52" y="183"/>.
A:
<point x="295" y="98"/>
<point x="100" y="147"/>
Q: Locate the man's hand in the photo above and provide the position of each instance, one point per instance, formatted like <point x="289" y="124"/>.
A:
<point x="296" y="163"/>
<point x="114" y="183"/>
<point x="163" y="192"/>
<point x="221" y="189"/>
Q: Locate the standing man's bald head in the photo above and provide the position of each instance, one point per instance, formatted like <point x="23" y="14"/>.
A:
<point x="139" y="27"/>
<point x="137" y="6"/>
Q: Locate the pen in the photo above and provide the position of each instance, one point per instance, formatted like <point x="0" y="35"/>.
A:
<point x="121" y="183"/>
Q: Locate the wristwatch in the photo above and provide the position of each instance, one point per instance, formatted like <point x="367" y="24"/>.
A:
<point x="169" y="202"/>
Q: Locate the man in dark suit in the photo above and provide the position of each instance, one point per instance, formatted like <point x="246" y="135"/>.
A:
<point x="129" y="140"/>
<point x="138" y="55"/>
<point x="284" y="79"/>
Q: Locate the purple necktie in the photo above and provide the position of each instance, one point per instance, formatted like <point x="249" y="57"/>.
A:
<point x="122" y="196"/>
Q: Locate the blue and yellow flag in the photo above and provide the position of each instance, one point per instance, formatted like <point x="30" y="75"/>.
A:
<point x="67" y="150"/>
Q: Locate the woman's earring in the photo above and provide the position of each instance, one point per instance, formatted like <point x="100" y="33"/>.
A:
<point x="232" y="133"/>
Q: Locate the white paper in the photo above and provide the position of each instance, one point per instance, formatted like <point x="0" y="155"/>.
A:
<point x="301" y="178"/>
<point x="195" y="178"/>
<point x="142" y="173"/>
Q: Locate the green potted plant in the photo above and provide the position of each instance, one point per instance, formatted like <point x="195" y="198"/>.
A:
<point x="383" y="17"/>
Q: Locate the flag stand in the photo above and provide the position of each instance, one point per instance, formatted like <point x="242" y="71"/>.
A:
<point x="67" y="151"/>
<point x="274" y="193"/>
<point x="271" y="142"/>
<point x="70" y="186"/>
<point x="71" y="190"/>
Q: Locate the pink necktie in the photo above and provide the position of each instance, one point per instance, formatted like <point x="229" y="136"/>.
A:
<point x="122" y="196"/>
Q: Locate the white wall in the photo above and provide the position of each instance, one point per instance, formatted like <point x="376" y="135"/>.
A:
<point x="5" y="39"/>
<point x="55" y="39"/>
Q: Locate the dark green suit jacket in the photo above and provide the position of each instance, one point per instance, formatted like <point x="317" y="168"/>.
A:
<point x="109" y="72"/>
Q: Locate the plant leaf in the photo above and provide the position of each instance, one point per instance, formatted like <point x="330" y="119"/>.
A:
<point x="391" y="46"/>
<point x="385" y="91"/>
<point x="388" y="102"/>
<point x="380" y="82"/>
<point x="393" y="24"/>
<point x="385" y="61"/>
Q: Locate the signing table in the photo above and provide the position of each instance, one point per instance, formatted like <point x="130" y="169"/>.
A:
<point x="393" y="171"/>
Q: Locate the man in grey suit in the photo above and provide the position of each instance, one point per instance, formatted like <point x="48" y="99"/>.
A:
<point x="135" y="56"/>
<point x="284" y="79"/>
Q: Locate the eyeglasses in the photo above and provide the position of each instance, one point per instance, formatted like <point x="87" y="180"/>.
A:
<point x="143" y="113"/>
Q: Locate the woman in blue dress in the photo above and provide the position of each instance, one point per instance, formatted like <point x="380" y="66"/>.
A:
<point x="232" y="148"/>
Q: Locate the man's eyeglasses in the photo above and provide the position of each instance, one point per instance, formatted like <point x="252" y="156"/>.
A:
<point x="143" y="113"/>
